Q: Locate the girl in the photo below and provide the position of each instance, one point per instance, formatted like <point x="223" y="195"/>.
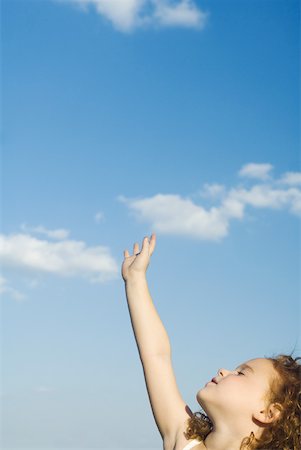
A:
<point x="255" y="406"/>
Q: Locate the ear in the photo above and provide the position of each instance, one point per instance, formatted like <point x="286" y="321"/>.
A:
<point x="270" y="414"/>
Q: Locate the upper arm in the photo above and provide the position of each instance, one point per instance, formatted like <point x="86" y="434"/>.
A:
<point x="169" y="409"/>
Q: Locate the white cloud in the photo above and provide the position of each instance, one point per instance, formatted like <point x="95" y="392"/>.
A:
<point x="58" y="234"/>
<point x="173" y="214"/>
<point x="258" y="171"/>
<point x="5" y="288"/>
<point x="184" y="13"/>
<point x="291" y="178"/>
<point x="127" y="15"/>
<point x="265" y="196"/>
<point x="64" y="258"/>
<point x="124" y="14"/>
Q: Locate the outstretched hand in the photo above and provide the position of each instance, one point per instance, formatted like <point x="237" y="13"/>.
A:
<point x="139" y="260"/>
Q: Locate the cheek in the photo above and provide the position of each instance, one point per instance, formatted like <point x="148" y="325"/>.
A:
<point x="228" y="392"/>
<point x="239" y="394"/>
<point x="231" y="396"/>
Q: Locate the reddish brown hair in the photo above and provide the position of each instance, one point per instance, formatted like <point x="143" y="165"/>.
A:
<point x="285" y="432"/>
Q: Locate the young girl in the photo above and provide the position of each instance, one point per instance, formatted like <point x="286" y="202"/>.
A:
<point x="255" y="406"/>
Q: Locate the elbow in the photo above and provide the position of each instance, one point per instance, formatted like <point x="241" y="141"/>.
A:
<point x="155" y="356"/>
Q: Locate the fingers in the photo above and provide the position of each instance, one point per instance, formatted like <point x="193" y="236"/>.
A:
<point x="152" y="243"/>
<point x="136" y="248"/>
<point x="148" y="245"/>
<point x="145" y="245"/>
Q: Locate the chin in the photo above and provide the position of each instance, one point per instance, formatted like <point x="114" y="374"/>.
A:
<point x="202" y="404"/>
<point x="200" y="397"/>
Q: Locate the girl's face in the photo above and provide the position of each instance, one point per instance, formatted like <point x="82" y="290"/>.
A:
<point x="237" y="394"/>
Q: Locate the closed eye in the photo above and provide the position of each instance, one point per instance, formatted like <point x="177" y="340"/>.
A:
<point x="240" y="373"/>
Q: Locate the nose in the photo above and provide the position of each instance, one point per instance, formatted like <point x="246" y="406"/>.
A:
<point x="223" y="372"/>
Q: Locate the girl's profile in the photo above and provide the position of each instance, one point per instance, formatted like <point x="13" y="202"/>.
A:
<point x="256" y="405"/>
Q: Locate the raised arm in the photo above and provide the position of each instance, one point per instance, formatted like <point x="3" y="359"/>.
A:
<point x="169" y="409"/>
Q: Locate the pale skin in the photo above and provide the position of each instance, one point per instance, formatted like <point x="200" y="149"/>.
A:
<point x="236" y="403"/>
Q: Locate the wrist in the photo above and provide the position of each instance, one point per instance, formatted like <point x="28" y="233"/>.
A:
<point x="135" y="278"/>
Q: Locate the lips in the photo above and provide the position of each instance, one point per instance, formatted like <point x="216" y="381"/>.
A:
<point x="212" y="381"/>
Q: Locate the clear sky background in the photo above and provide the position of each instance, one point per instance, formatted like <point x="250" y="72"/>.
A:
<point x="121" y="118"/>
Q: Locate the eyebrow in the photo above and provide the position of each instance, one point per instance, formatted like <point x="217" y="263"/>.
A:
<point x="245" y="366"/>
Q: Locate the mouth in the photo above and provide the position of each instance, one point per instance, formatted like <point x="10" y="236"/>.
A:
<point x="213" y="381"/>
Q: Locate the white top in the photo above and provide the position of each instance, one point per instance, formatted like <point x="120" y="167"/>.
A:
<point x="192" y="444"/>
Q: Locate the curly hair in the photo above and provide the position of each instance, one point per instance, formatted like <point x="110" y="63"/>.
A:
<point x="285" y="432"/>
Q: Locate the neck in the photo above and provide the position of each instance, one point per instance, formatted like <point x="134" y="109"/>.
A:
<point x="218" y="441"/>
<point x="223" y="439"/>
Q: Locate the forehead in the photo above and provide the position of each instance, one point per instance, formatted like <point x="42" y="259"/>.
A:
<point x="260" y="366"/>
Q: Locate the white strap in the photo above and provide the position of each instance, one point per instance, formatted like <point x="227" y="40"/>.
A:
<point x="191" y="444"/>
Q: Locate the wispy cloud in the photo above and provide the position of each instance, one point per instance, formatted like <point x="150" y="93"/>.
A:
<point x="291" y="178"/>
<point x="128" y="15"/>
<point x="58" y="234"/>
<point x="99" y="217"/>
<point x="64" y="258"/>
<point x="173" y="214"/>
<point x="258" y="171"/>
<point x="184" y="13"/>
<point x="5" y="288"/>
<point x="267" y="196"/>
<point x="214" y="190"/>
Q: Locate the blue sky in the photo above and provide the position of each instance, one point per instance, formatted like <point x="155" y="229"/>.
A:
<point x="119" y="119"/>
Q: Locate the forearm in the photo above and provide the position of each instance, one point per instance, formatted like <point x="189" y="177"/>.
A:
<point x="149" y="331"/>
